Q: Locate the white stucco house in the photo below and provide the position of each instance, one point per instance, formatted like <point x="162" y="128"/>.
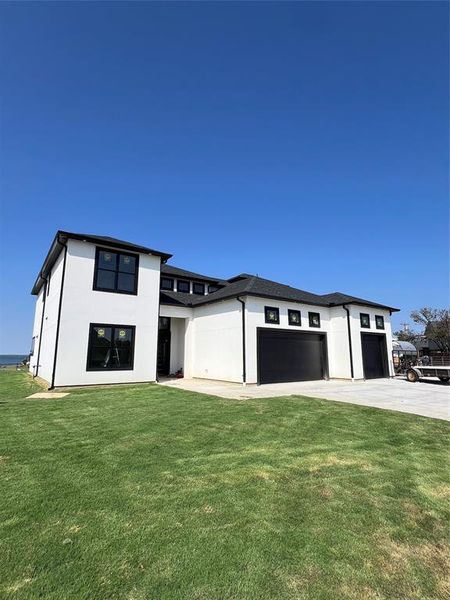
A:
<point x="109" y="311"/>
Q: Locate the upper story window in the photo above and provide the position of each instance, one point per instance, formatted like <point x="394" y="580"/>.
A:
<point x="183" y="286"/>
<point x="364" y="320"/>
<point x="167" y="283"/>
<point x="213" y="288"/>
<point x="272" y="314"/>
<point x="379" y="321"/>
<point x="116" y="272"/>
<point x="111" y="347"/>
<point x="198" y="288"/>
<point x="294" y="317"/>
<point x="314" y="319"/>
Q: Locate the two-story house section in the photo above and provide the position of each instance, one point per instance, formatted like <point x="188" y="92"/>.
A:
<point x="109" y="311"/>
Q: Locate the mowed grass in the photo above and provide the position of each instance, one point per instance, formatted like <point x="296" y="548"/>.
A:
<point x="147" y="492"/>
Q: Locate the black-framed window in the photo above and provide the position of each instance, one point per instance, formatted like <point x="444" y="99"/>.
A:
<point x="272" y="314"/>
<point x="364" y="320"/>
<point x="379" y="321"/>
<point x="198" y="288"/>
<point x="294" y="317"/>
<point x="314" y="319"/>
<point x="111" y="347"/>
<point x="213" y="288"/>
<point x="33" y="343"/>
<point x="167" y="283"/>
<point x="183" y="286"/>
<point x="116" y="272"/>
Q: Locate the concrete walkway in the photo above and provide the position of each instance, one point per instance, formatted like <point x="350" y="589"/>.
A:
<point x="429" y="398"/>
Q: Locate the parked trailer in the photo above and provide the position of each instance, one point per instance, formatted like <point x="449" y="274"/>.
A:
<point x="415" y="373"/>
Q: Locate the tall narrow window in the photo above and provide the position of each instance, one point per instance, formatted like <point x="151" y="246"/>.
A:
<point x="116" y="272"/>
<point x="364" y="320"/>
<point x="314" y="319"/>
<point x="379" y="321"/>
<point x="111" y="347"/>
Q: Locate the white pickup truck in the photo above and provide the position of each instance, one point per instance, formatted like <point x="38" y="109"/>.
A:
<point x="415" y="373"/>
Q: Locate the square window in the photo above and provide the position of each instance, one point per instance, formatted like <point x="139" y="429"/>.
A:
<point x="116" y="272"/>
<point x="272" y="314"/>
<point x="379" y="321"/>
<point x="314" y="319"/>
<point x="167" y="283"/>
<point x="364" y="320"/>
<point x="198" y="288"/>
<point x="111" y="347"/>
<point x="294" y="317"/>
<point x="183" y="286"/>
<point x="212" y="289"/>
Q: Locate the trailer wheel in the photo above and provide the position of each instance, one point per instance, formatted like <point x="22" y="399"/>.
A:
<point x="412" y="376"/>
<point x="444" y="379"/>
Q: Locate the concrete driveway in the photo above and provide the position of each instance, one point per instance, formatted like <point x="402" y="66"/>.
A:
<point x="429" y="398"/>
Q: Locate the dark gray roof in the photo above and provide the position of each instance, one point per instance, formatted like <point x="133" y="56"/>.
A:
<point x="251" y="285"/>
<point x="338" y="298"/>
<point x="172" y="271"/>
<point x="62" y="236"/>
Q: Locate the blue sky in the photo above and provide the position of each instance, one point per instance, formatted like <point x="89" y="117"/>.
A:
<point x="305" y="142"/>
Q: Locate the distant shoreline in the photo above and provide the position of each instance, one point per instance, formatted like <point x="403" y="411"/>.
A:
<point x="11" y="359"/>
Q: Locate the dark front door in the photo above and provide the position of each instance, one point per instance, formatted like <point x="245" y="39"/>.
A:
<point x="374" y="355"/>
<point x="285" y="355"/>
<point x="163" y="365"/>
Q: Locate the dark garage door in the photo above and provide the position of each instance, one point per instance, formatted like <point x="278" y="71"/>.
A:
<point x="290" y="356"/>
<point x="374" y="355"/>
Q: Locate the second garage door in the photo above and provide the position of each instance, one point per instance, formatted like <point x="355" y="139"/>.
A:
<point x="285" y="355"/>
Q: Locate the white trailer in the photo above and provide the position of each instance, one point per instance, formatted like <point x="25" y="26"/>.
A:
<point x="415" y="373"/>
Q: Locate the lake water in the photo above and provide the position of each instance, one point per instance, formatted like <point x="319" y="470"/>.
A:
<point x="11" y="359"/>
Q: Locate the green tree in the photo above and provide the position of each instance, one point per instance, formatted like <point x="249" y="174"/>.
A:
<point x="436" y="325"/>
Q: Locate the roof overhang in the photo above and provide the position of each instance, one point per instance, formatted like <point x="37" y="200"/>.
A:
<point x="60" y="240"/>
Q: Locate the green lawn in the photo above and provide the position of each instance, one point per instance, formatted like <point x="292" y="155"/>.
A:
<point x="146" y="492"/>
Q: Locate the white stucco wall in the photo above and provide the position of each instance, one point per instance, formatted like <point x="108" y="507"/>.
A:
<point x="355" y="311"/>
<point x="255" y="318"/>
<point x="213" y="348"/>
<point x="49" y="324"/>
<point x="338" y="346"/>
<point x="37" y="330"/>
<point x="82" y="305"/>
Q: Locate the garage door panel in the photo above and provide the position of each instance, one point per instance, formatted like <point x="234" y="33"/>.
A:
<point x="290" y="356"/>
<point x="374" y="355"/>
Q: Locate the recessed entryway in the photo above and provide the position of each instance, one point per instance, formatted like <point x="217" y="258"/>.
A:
<point x="285" y="355"/>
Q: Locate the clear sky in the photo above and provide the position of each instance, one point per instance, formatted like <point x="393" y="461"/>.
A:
<point x="305" y="142"/>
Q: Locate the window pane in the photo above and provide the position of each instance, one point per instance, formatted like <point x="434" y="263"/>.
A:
<point x="122" y="347"/>
<point x="127" y="264"/>
<point x="212" y="289"/>
<point x="102" y="336"/>
<point x="183" y="286"/>
<point x="198" y="288"/>
<point x="107" y="260"/>
<point x="166" y="283"/>
<point x="122" y="336"/>
<point x="125" y="282"/>
<point x="106" y="279"/>
<point x="100" y="358"/>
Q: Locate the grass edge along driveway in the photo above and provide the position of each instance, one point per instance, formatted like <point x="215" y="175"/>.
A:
<point x="142" y="492"/>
